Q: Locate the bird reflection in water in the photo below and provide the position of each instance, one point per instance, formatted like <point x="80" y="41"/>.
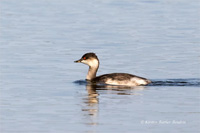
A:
<point x="91" y="107"/>
<point x="91" y="101"/>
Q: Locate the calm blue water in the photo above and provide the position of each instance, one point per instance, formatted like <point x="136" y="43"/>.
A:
<point x="42" y="90"/>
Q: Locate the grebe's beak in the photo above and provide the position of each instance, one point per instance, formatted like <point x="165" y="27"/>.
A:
<point x="78" y="61"/>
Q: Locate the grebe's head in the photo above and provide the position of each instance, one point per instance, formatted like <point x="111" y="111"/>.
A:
<point x="89" y="59"/>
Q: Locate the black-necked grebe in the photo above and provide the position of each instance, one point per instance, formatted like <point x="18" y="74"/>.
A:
<point x="92" y="61"/>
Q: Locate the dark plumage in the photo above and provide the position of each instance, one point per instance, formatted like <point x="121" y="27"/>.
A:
<point x="89" y="55"/>
<point x="115" y="76"/>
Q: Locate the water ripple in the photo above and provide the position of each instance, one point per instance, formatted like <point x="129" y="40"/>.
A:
<point x="162" y="82"/>
<point x="176" y="82"/>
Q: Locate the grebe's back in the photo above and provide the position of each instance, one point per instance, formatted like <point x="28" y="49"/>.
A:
<point x="121" y="79"/>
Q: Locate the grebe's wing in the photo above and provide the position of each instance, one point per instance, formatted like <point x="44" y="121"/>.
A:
<point x="121" y="79"/>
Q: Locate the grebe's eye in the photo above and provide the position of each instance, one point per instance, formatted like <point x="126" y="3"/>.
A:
<point x="84" y="58"/>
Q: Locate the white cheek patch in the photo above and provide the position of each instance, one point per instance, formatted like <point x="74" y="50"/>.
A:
<point x="84" y="62"/>
<point x="91" y="62"/>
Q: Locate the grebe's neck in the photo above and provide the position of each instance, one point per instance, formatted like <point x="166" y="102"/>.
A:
<point x="93" y="68"/>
